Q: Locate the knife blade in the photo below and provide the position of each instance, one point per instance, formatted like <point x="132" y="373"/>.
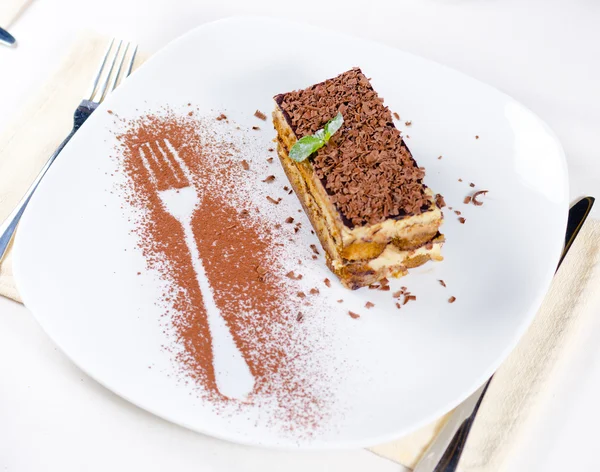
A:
<point x="444" y="452"/>
<point x="6" y="38"/>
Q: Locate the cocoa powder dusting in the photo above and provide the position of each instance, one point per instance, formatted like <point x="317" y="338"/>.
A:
<point x="248" y="282"/>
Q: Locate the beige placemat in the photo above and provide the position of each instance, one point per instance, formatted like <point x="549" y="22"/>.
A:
<point x="10" y="11"/>
<point x="512" y="396"/>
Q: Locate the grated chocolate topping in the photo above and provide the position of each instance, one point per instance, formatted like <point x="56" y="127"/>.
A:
<point x="366" y="168"/>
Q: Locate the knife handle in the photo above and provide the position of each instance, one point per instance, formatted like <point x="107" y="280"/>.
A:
<point x="449" y="460"/>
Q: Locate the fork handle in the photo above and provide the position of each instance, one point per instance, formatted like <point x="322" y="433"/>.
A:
<point x="8" y="227"/>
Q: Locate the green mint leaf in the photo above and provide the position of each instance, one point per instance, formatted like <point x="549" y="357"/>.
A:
<point x="333" y="125"/>
<point x="304" y="147"/>
<point x="320" y="134"/>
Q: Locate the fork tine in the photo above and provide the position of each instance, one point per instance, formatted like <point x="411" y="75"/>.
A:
<point x="99" y="74"/>
<point x="131" y="61"/>
<point x="172" y="152"/>
<point x="146" y="162"/>
<point x="113" y="83"/>
<point x="104" y="87"/>
<point x="177" y="173"/>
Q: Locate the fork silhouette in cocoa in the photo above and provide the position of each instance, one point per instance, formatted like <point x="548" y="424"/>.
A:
<point x="180" y="198"/>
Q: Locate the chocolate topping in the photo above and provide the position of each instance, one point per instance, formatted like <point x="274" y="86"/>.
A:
<point x="366" y="168"/>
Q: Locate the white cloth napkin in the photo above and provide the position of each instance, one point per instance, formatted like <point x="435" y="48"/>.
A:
<point x="518" y="388"/>
<point x="10" y="10"/>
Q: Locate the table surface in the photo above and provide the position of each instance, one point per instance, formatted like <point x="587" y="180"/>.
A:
<point x="542" y="52"/>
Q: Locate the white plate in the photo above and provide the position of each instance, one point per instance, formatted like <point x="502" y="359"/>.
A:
<point x="403" y="368"/>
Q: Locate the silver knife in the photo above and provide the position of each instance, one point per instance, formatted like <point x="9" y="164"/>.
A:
<point x="444" y="452"/>
<point x="6" y="38"/>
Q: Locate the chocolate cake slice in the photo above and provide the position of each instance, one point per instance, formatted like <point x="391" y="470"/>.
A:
<point x="363" y="191"/>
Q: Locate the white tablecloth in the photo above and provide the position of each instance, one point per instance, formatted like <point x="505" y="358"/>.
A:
<point x="542" y="52"/>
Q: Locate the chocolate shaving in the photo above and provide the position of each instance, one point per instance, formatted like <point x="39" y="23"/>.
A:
<point x="314" y="291"/>
<point x="301" y="295"/>
<point x="272" y="200"/>
<point x="314" y="249"/>
<point x="245" y="165"/>
<point x="260" y="115"/>
<point x="476" y="194"/>
<point x="374" y="286"/>
<point x="314" y="256"/>
<point x="385" y="288"/>
<point x="396" y="115"/>
<point x="289" y="219"/>
<point x="256" y="128"/>
<point x="457" y="212"/>
<point x="270" y="150"/>
<point x="462" y="220"/>
<point x="299" y="317"/>
<point x="398" y="305"/>
<point x="476" y="137"/>
<point x="286" y="188"/>
<point x="327" y="282"/>
<point x="353" y="315"/>
<point x="408" y="123"/>
<point x="221" y="117"/>
<point x="460" y="180"/>
<point x="442" y="283"/>
<point x="397" y="294"/>
<point x="439" y="201"/>
<point x="369" y="305"/>
<point x="269" y="178"/>
<point x="270" y="160"/>
<point x="471" y="184"/>
<point x="451" y="299"/>
<point x="340" y="300"/>
<point x="293" y="276"/>
<point x="467" y="200"/>
<point x="439" y="157"/>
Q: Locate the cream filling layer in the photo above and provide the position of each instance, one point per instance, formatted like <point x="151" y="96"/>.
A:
<point x="392" y="256"/>
<point x="391" y="228"/>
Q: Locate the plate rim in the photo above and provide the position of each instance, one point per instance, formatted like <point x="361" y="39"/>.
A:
<point x="286" y="445"/>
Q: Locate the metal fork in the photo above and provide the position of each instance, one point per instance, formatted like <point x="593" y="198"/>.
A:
<point x="180" y="198"/>
<point x="107" y="78"/>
